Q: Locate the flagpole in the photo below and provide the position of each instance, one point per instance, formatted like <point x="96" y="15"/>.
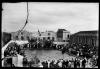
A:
<point x="38" y="35"/>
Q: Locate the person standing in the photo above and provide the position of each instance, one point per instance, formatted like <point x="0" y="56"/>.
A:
<point x="78" y="63"/>
<point x="25" y="62"/>
<point x="69" y="64"/>
<point x="40" y="65"/>
<point x="75" y="63"/>
<point x="48" y="63"/>
<point x="88" y="64"/>
<point x="83" y="63"/>
<point x="60" y="64"/>
<point x="66" y="63"/>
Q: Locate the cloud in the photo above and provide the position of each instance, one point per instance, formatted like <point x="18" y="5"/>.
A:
<point x="51" y="16"/>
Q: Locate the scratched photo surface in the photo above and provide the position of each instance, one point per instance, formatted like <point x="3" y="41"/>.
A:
<point x="50" y="34"/>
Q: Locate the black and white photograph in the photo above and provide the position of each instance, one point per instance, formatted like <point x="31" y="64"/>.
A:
<point x="50" y="35"/>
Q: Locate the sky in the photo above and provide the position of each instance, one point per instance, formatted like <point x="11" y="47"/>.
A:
<point x="52" y="16"/>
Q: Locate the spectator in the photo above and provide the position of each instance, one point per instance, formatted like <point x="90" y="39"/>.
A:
<point x="83" y="63"/>
<point x="52" y="64"/>
<point x="60" y="64"/>
<point x="12" y="65"/>
<point x="48" y="63"/>
<point x="40" y="65"/>
<point x="75" y="63"/>
<point x="78" y="64"/>
<point x="25" y="62"/>
<point x="66" y="63"/>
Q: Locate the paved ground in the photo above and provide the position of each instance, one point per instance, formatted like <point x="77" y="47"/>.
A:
<point x="47" y="54"/>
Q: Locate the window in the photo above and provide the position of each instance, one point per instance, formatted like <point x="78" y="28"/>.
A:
<point x="16" y="38"/>
<point x="22" y="38"/>
<point x="68" y="35"/>
<point x="21" y="33"/>
<point x="43" y="38"/>
<point x="48" y="37"/>
<point x="27" y="38"/>
<point x="53" y="38"/>
<point x="48" y="33"/>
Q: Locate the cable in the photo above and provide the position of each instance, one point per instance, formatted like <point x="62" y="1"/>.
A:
<point x="26" y="20"/>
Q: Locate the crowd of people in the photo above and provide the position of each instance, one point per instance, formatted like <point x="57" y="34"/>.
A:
<point x="74" y="63"/>
<point x="72" y="49"/>
<point x="81" y="51"/>
<point x="40" y="44"/>
<point x="13" y="49"/>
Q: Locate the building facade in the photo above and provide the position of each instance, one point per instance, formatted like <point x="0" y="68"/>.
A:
<point x="85" y="37"/>
<point x="63" y="35"/>
<point x="23" y="35"/>
<point x="45" y="35"/>
<point x="48" y="35"/>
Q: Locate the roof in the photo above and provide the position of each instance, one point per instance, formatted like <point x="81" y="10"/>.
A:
<point x="87" y="33"/>
<point x="6" y="33"/>
<point x="61" y="29"/>
<point x="50" y="31"/>
<point x="92" y="32"/>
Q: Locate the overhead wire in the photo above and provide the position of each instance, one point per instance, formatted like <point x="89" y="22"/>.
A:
<point x="26" y="20"/>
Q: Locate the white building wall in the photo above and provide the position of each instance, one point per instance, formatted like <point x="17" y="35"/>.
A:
<point x="45" y="35"/>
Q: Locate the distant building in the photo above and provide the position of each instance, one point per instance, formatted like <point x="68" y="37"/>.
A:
<point x="63" y="35"/>
<point x="24" y="35"/>
<point x="6" y="37"/>
<point x="85" y="37"/>
<point x="48" y="35"/>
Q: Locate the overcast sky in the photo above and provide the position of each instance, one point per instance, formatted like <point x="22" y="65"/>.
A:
<point x="73" y="17"/>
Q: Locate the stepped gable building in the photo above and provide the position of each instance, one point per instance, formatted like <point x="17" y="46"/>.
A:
<point x="85" y="37"/>
<point x="63" y="35"/>
<point x="24" y="35"/>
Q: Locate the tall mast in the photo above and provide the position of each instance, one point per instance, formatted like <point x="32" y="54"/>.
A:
<point x="27" y="12"/>
<point x="26" y="19"/>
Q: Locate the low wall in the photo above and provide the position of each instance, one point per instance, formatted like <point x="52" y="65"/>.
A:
<point x="60" y="43"/>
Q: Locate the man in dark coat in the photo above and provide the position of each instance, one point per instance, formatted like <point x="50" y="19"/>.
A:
<point x="75" y="63"/>
<point x="83" y="63"/>
<point x="66" y="64"/>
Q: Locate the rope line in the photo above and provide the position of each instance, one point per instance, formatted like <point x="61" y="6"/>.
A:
<point x="26" y="20"/>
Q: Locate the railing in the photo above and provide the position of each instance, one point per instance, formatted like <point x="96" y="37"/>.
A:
<point x="8" y="57"/>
